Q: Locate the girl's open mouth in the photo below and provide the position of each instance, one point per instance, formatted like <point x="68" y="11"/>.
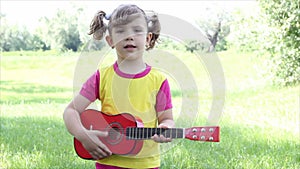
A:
<point x="129" y="46"/>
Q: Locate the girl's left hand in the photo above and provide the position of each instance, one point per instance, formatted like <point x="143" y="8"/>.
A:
<point x="161" y="138"/>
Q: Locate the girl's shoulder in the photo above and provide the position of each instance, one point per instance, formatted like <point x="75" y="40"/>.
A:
<point x="103" y="69"/>
<point x="158" y="73"/>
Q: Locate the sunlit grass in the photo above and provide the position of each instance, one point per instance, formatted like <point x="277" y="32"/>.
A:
<point x="37" y="140"/>
<point x="259" y="125"/>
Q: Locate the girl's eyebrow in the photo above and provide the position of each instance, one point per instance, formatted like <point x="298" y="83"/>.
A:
<point x="138" y="26"/>
<point x="119" y="27"/>
<point x="134" y="26"/>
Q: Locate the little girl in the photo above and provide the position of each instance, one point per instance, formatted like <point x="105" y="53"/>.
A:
<point x="129" y="85"/>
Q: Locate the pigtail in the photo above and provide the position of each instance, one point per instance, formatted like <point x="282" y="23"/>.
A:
<point x="97" y="26"/>
<point x="154" y="28"/>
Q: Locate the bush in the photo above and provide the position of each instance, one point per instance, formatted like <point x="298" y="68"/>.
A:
<point x="284" y="19"/>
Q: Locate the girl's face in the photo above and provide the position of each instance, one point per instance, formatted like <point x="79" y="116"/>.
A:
<point x="131" y="38"/>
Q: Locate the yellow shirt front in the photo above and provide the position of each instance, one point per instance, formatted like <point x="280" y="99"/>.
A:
<point x="134" y="94"/>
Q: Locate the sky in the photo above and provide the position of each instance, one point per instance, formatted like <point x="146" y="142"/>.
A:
<point x="27" y="13"/>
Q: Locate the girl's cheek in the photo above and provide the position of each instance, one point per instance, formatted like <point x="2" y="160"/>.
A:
<point x="117" y="39"/>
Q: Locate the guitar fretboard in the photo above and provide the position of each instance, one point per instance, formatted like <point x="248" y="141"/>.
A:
<point x="135" y="133"/>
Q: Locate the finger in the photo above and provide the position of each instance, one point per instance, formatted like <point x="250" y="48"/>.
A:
<point x="158" y="138"/>
<point x="169" y="139"/>
<point x="100" y="144"/>
<point x="163" y="139"/>
<point x="98" y="154"/>
<point x="102" y="153"/>
<point x="100" y="133"/>
<point x="155" y="137"/>
<point x="95" y="155"/>
<point x="104" y="149"/>
<point x="94" y="135"/>
<point x="162" y="126"/>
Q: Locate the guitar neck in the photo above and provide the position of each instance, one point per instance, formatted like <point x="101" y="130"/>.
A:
<point x="136" y="133"/>
<point x="207" y="133"/>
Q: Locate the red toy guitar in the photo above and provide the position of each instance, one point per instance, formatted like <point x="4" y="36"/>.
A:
<point x="125" y="138"/>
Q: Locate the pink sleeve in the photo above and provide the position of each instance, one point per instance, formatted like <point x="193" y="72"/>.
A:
<point x="163" y="97"/>
<point x="90" y="88"/>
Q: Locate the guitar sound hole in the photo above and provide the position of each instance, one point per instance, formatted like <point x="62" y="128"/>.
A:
<point x="115" y="133"/>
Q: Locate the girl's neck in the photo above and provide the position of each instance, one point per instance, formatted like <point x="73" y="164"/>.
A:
<point x="131" y="66"/>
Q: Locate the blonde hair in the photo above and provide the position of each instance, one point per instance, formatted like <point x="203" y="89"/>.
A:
<point x="119" y="16"/>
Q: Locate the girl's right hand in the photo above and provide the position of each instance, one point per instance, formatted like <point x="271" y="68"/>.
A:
<point x="93" y="144"/>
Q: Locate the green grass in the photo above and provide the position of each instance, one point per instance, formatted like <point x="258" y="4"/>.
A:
<point x="259" y="125"/>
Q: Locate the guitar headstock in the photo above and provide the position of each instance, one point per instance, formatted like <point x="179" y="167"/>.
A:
<point x="208" y="133"/>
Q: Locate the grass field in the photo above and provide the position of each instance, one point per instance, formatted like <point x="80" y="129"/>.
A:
<point x="259" y="125"/>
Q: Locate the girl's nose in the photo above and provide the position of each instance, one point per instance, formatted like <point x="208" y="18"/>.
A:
<point x="129" y="38"/>
<point x="129" y="35"/>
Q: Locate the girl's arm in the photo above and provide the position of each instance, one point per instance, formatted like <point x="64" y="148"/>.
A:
<point x="165" y="120"/>
<point x="89" y="138"/>
<point x="164" y="111"/>
<point x="71" y="115"/>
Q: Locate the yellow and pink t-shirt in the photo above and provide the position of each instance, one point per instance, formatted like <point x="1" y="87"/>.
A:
<point x="142" y="95"/>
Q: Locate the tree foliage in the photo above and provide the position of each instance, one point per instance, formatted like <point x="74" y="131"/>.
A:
<point x="16" y="38"/>
<point x="216" y="27"/>
<point x="65" y="30"/>
<point x="284" y="20"/>
<point x="61" y="31"/>
<point x="248" y="30"/>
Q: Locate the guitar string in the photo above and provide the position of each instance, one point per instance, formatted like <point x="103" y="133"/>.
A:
<point x="135" y="132"/>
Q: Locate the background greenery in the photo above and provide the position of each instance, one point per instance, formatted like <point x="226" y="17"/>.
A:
<point x="259" y="126"/>
<point x="272" y="27"/>
<point x="259" y="52"/>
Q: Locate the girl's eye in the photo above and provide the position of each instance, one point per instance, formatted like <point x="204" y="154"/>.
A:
<point x="138" y="30"/>
<point x="119" y="31"/>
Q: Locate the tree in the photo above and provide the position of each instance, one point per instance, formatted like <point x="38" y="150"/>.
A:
<point x="216" y="27"/>
<point x="61" y="32"/>
<point x="16" y="38"/>
<point x="213" y="38"/>
<point x="284" y="20"/>
<point x="248" y="30"/>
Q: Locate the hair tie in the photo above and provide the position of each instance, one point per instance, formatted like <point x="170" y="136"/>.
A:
<point x="107" y="16"/>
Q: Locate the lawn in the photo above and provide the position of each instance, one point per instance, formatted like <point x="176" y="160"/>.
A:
<point x="259" y="124"/>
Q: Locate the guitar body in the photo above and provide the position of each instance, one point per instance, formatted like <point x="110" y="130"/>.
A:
<point x="126" y="133"/>
<point x="116" y="126"/>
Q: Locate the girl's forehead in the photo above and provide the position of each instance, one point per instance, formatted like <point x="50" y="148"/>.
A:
<point x="133" y="19"/>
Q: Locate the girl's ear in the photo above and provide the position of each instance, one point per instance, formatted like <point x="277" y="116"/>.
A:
<point x="149" y="37"/>
<point x="109" y="41"/>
